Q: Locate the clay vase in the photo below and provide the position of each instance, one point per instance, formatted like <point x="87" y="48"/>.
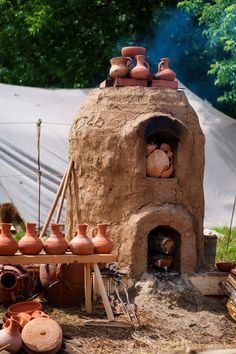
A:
<point x="10" y="336"/>
<point x="63" y="284"/>
<point x="42" y="335"/>
<point x="133" y="51"/>
<point x="14" y="282"/>
<point x="30" y="243"/>
<point x="8" y="245"/>
<point x="102" y="244"/>
<point x="55" y="244"/>
<point x="81" y="243"/>
<point x="156" y="163"/>
<point x="119" y="67"/>
<point x="141" y="70"/>
<point x="164" y="72"/>
<point x="22" y="318"/>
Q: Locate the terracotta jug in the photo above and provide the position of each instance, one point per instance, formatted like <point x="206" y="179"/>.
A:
<point x="8" y="245"/>
<point x="81" y="243"/>
<point x="22" y="318"/>
<point x="141" y="70"/>
<point x="156" y="163"/>
<point x="164" y="72"/>
<point x="102" y="244"/>
<point x="119" y="67"/>
<point x="42" y="335"/>
<point x="10" y="336"/>
<point x="30" y="243"/>
<point x="55" y="244"/>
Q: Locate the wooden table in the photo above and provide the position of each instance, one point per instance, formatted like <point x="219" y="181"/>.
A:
<point x="87" y="260"/>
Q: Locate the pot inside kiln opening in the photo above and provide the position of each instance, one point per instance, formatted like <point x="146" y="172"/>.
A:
<point x="162" y="135"/>
<point x="164" y="249"/>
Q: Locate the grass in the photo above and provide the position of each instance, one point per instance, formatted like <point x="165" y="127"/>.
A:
<point x="222" y="253"/>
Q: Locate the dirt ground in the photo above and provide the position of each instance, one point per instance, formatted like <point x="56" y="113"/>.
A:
<point x="173" y="317"/>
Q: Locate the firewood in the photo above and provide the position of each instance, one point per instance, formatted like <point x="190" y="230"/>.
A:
<point x="228" y="290"/>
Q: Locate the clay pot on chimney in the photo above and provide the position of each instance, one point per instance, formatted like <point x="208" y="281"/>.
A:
<point x="81" y="243"/>
<point x="30" y="243"/>
<point x="141" y="70"/>
<point x="8" y="245"/>
<point x="10" y="336"/>
<point x="102" y="244"/>
<point x="164" y="72"/>
<point x="55" y="244"/>
<point x="119" y="67"/>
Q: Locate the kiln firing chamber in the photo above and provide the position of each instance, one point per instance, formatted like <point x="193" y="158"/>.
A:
<point x="108" y="146"/>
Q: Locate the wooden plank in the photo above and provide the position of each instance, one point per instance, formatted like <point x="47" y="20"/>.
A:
<point x="55" y="259"/>
<point x="103" y="293"/>
<point x="88" y="287"/>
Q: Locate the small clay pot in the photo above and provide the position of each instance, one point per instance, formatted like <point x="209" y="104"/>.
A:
<point x="81" y="243"/>
<point x="133" y="51"/>
<point x="8" y="245"/>
<point x="30" y="243"/>
<point x="225" y="266"/>
<point x="156" y="163"/>
<point x="10" y="336"/>
<point x="22" y="318"/>
<point x="102" y="244"/>
<point x="55" y="244"/>
<point x="164" y="72"/>
<point x="119" y="67"/>
<point x="25" y="306"/>
<point x="39" y="313"/>
<point x="141" y="69"/>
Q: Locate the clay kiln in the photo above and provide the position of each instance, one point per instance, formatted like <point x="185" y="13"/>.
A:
<point x="110" y="184"/>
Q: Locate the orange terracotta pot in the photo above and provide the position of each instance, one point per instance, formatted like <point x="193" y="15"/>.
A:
<point x="25" y="306"/>
<point x="55" y="244"/>
<point x="133" y="51"/>
<point x="22" y="318"/>
<point x="102" y="244"/>
<point x="141" y="70"/>
<point x="164" y="72"/>
<point x="81" y="243"/>
<point x="10" y="336"/>
<point x="30" y="243"/>
<point x="8" y="245"/>
<point x="119" y="67"/>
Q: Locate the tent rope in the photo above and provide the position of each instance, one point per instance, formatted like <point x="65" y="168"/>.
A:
<point x="39" y="171"/>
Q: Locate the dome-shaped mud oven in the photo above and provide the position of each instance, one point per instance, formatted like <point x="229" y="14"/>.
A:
<point x="138" y="157"/>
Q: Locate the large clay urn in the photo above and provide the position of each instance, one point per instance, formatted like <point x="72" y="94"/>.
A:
<point x="30" y="243"/>
<point x="55" y="244"/>
<point x="141" y="70"/>
<point x="102" y="244"/>
<point x="10" y="336"/>
<point x="42" y="335"/>
<point x="8" y="245"/>
<point x="81" y="243"/>
<point x="14" y="283"/>
<point x="164" y="72"/>
<point x="119" y="67"/>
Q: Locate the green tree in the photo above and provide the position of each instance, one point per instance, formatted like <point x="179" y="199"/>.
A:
<point x="219" y="20"/>
<point x="66" y="43"/>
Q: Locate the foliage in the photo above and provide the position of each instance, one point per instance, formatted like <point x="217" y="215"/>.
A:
<point x="219" y="18"/>
<point x="222" y="253"/>
<point x="66" y="43"/>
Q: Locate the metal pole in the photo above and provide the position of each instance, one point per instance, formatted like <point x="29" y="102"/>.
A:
<point x="231" y="222"/>
<point x="39" y="172"/>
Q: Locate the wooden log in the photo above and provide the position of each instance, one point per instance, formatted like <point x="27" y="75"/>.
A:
<point x="88" y="288"/>
<point x="161" y="243"/>
<point x="67" y="177"/>
<point x="228" y="290"/>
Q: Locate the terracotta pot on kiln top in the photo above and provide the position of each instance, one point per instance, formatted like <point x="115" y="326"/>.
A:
<point x="55" y="244"/>
<point x="133" y="51"/>
<point x="141" y="70"/>
<point x="119" y="67"/>
<point x="10" y="336"/>
<point x="30" y="243"/>
<point x="164" y="72"/>
<point x="81" y="243"/>
<point x="8" y="245"/>
<point x="102" y="244"/>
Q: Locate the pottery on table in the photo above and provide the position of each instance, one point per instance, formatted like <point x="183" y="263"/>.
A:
<point x="10" y="336"/>
<point x="141" y="69"/>
<point x="156" y="163"/>
<point x="132" y="51"/>
<point x="8" y="245"/>
<point x="102" y="244"/>
<point x="42" y="335"/>
<point x="81" y="243"/>
<point x="119" y="67"/>
<point x="164" y="72"/>
<point x="225" y="266"/>
<point x="30" y="243"/>
<point x="25" y="306"/>
<point x="55" y="244"/>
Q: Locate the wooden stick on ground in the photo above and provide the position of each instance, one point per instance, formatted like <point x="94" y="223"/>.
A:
<point x="54" y="204"/>
<point x="68" y="173"/>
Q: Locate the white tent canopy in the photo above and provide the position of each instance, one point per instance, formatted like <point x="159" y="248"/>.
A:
<point x="22" y="107"/>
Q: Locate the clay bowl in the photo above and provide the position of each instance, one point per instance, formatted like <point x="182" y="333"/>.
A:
<point x="225" y="266"/>
<point x="132" y="51"/>
<point x="25" y="306"/>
